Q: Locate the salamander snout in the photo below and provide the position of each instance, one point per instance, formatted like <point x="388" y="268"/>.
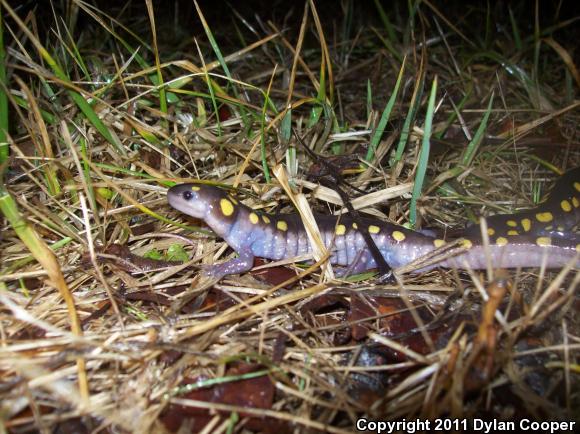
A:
<point x="188" y="198"/>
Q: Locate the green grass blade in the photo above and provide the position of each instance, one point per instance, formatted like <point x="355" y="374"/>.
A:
<point x="515" y="30"/>
<point x="315" y="113"/>
<point x="44" y="146"/>
<point x="395" y="52"/>
<point x="453" y="115"/>
<point x="90" y="10"/>
<point x="214" y="45"/>
<point x="48" y="117"/>
<point x="3" y="99"/>
<point x="569" y="87"/>
<point x="87" y="173"/>
<point x="216" y="49"/>
<point x="111" y="185"/>
<point x="347" y="20"/>
<point x="28" y="259"/>
<point x="263" y="121"/>
<point x="369" y="98"/>
<point x="412" y="7"/>
<point x="23" y="230"/>
<point x="94" y="119"/>
<point x="423" y="155"/>
<point x="537" y="45"/>
<point x="489" y="26"/>
<point x="476" y="140"/>
<point x="469" y="153"/>
<point x="159" y="75"/>
<point x="386" y="22"/>
<point x="211" y="90"/>
<point x="318" y="109"/>
<point x="534" y="93"/>
<point x="74" y="52"/>
<point x="413" y="108"/>
<point x="378" y="133"/>
<point x="286" y="126"/>
<point x="79" y="100"/>
<point x="291" y="163"/>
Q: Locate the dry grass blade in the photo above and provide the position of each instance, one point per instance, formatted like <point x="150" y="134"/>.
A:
<point x="236" y="313"/>
<point x="530" y="126"/>
<point x="49" y="262"/>
<point x="45" y="148"/>
<point x="319" y="251"/>
<point x="368" y="200"/>
<point x="297" y="55"/>
<point x="325" y="52"/>
<point x="566" y="58"/>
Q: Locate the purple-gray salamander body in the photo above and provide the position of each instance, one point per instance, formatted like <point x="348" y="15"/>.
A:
<point x="546" y="235"/>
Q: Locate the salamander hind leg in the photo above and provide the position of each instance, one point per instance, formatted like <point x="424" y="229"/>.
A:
<point x="244" y="262"/>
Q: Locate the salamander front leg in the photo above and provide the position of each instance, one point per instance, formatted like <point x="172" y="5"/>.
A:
<point x="244" y="262"/>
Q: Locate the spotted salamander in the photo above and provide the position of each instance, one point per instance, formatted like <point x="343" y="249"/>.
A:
<point x="547" y="234"/>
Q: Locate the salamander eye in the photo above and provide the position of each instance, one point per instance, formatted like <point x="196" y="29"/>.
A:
<point x="187" y="195"/>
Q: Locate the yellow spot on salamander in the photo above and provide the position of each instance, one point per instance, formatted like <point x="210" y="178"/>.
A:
<point x="340" y="230"/>
<point x="501" y="241"/>
<point x="544" y="217"/>
<point x="195" y="188"/>
<point x="566" y="206"/>
<point x="438" y="243"/>
<point x="526" y="224"/>
<point x="512" y="223"/>
<point x="467" y="244"/>
<point x="354" y="226"/>
<point x="265" y="219"/>
<point x="543" y="241"/>
<point x="398" y="235"/>
<point x="490" y="231"/>
<point x="577" y="186"/>
<point x="254" y="218"/>
<point x="512" y="233"/>
<point x="282" y="225"/>
<point x="575" y="202"/>
<point x="374" y="229"/>
<point x="578" y="248"/>
<point x="227" y="207"/>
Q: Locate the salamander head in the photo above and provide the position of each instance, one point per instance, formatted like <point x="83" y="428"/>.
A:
<point x="200" y="201"/>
